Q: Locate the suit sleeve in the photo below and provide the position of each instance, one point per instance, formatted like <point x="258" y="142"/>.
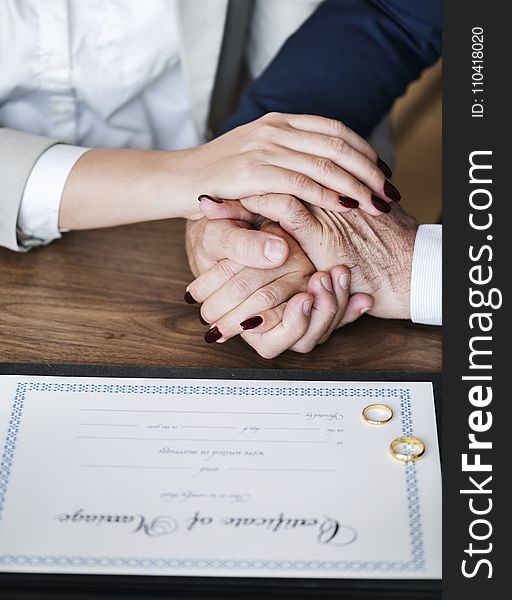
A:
<point x="349" y="61"/>
<point x="19" y="153"/>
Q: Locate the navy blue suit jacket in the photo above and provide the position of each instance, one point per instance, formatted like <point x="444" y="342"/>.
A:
<point x="349" y="61"/>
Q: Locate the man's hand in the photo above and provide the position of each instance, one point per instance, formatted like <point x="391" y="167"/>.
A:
<point x="288" y="307"/>
<point x="378" y="252"/>
<point x="207" y="242"/>
<point x="229" y="293"/>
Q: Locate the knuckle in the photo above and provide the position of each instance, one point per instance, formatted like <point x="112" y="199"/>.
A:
<point x="290" y="205"/>
<point x="268" y="125"/>
<point x="265" y="201"/>
<point x="324" y="166"/>
<point x="375" y="175"/>
<point x="272" y="318"/>
<point x="261" y="346"/>
<point x="359" y="190"/>
<point x="330" y="312"/>
<point x="324" y="339"/>
<point x="226" y="269"/>
<point x="243" y="247"/>
<point x="324" y="196"/>
<point x="338" y="147"/>
<point x="267" y="298"/>
<point x="207" y="312"/>
<point x="197" y="290"/>
<point x="209" y="237"/>
<point x="225" y="237"/>
<point x="271" y="116"/>
<point x="301" y="183"/>
<point x="265" y="130"/>
<point x="336" y="127"/>
<point x="267" y="353"/>
<point x="303" y="347"/>
<point x="264" y="154"/>
<point x="240" y="288"/>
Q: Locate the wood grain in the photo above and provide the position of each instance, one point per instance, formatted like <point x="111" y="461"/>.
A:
<point x="116" y="297"/>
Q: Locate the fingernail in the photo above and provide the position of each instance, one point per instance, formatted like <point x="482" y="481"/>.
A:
<point x="251" y="323"/>
<point x="273" y="250"/>
<point x="306" y="307"/>
<point x="206" y="197"/>
<point x="384" y="168"/>
<point x="326" y="282"/>
<point x="380" y="204"/>
<point x="189" y="299"/>
<point x="344" y="281"/>
<point x="202" y="320"/>
<point x="212" y="335"/>
<point x="391" y="192"/>
<point x="364" y="310"/>
<point x="348" y="202"/>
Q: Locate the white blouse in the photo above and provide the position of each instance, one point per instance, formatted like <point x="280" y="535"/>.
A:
<point x="94" y="73"/>
<point x="91" y="73"/>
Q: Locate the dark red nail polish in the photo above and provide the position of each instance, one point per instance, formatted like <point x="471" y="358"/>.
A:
<point x="380" y="204"/>
<point x="189" y="299"/>
<point x="212" y="335"/>
<point x="384" y="168"/>
<point x="348" y="202"/>
<point x="206" y="197"/>
<point x="202" y="320"/>
<point x="391" y="192"/>
<point x="251" y="323"/>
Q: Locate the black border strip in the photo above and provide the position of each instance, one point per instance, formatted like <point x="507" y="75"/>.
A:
<point x="476" y="81"/>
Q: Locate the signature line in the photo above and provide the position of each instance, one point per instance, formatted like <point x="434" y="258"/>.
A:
<point x="133" y="467"/>
<point x="161" y="439"/>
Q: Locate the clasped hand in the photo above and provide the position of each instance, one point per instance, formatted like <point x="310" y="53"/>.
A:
<point x="285" y="273"/>
<point x="339" y="266"/>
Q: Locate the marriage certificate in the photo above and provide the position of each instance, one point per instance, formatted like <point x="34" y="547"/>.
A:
<point x="217" y="478"/>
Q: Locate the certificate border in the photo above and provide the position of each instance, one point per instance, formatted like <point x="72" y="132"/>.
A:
<point x="416" y="563"/>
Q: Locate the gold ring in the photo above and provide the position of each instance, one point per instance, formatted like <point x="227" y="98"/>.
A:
<point x="370" y="407"/>
<point x="407" y="456"/>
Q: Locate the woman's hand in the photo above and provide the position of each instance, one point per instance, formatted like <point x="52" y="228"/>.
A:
<point x="378" y="252"/>
<point x="307" y="319"/>
<point x="290" y="307"/>
<point x="317" y="159"/>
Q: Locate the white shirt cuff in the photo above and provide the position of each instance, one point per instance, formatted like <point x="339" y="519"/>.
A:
<point x="426" y="278"/>
<point x="38" y="219"/>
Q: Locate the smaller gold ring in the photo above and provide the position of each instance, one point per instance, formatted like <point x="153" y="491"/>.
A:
<point x="386" y="409"/>
<point x="407" y="440"/>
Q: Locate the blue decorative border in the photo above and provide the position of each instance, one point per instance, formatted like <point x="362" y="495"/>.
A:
<point x="416" y="563"/>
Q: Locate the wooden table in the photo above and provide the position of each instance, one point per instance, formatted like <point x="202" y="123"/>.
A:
<point x="116" y="297"/>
